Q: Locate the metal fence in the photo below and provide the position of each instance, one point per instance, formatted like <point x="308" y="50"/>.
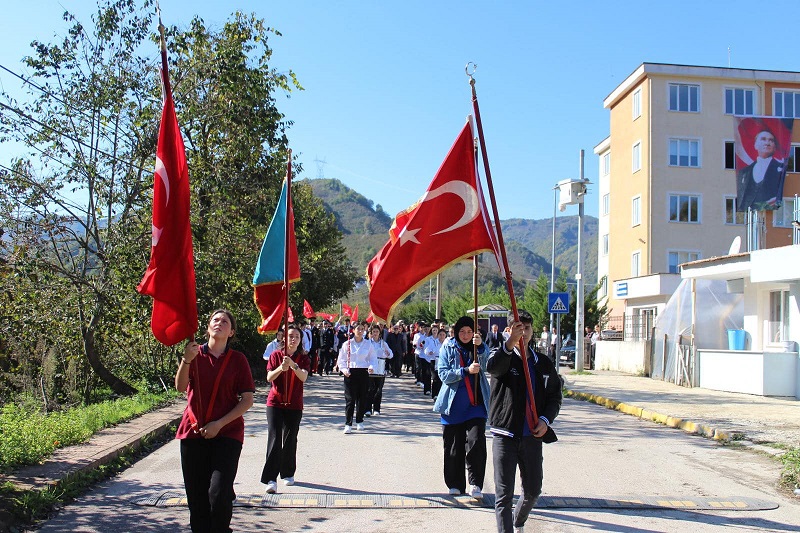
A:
<point x="630" y="327"/>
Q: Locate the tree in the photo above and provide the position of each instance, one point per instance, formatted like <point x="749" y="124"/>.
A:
<point x="76" y="205"/>
<point x="78" y="187"/>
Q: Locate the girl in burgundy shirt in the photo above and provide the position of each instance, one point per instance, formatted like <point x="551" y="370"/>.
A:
<point x="220" y="390"/>
<point x="287" y="370"/>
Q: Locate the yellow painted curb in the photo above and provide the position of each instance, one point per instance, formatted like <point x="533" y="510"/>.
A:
<point x="646" y="414"/>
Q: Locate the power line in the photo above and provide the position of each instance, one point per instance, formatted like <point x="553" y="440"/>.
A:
<point x="62" y="101"/>
<point x="70" y="137"/>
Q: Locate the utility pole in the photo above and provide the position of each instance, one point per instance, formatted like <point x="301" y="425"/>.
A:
<point x="579" y="278"/>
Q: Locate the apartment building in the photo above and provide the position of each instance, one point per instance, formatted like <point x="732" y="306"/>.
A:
<point x="667" y="187"/>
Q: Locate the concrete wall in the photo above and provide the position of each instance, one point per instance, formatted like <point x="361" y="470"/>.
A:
<point x="762" y="373"/>
<point x="622" y="356"/>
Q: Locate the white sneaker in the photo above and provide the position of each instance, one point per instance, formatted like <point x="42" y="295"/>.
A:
<point x="519" y="529"/>
<point x="348" y="430"/>
<point x="289" y="481"/>
<point x="475" y="492"/>
<point x="368" y="413"/>
<point x="376" y="413"/>
<point x="360" y="427"/>
<point x="454" y="492"/>
<point x="272" y="487"/>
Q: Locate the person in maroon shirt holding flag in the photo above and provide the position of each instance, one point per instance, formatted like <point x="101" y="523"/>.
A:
<point x="287" y="370"/>
<point x="220" y="390"/>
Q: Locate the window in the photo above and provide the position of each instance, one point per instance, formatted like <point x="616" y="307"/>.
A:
<point x="602" y="292"/>
<point x="606" y="204"/>
<point x="606" y="163"/>
<point x="635" y="264"/>
<point x="787" y="104"/>
<point x="731" y="215"/>
<point x="605" y="244"/>
<point x="684" y="208"/>
<point x="778" y="326"/>
<point x="676" y="258"/>
<point x="636" y="161"/>
<point x="637" y="104"/>
<point x="784" y="215"/>
<point x="636" y="211"/>
<point x="793" y="165"/>
<point x="684" y="97"/>
<point x="739" y="101"/>
<point x="684" y="153"/>
<point x="730" y="155"/>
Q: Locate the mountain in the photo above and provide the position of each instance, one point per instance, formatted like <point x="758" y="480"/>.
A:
<point x="365" y="228"/>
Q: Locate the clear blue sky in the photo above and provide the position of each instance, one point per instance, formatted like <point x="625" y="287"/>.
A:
<point x="386" y="94"/>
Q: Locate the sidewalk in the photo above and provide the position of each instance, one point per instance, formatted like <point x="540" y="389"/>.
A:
<point x="102" y="448"/>
<point x="719" y="415"/>
<point x="715" y="414"/>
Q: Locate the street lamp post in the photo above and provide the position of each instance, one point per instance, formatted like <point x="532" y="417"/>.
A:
<point x="573" y="192"/>
<point x="553" y="271"/>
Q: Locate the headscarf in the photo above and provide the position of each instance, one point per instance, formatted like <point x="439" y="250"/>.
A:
<point x="460" y="323"/>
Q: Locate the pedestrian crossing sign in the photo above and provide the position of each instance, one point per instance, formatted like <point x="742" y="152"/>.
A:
<point x="558" y="303"/>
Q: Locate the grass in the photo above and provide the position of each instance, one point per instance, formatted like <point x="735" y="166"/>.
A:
<point x="28" y="436"/>
<point x="20" y="508"/>
<point x="790" y="477"/>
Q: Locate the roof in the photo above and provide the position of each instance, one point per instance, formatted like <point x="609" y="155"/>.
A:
<point x="695" y="71"/>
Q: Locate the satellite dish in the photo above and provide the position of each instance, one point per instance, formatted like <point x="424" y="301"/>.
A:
<point x="736" y="246"/>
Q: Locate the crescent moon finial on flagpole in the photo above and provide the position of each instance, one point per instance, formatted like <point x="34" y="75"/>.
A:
<point x="470" y="69"/>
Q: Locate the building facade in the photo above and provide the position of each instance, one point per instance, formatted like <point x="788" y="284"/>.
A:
<point x="667" y="186"/>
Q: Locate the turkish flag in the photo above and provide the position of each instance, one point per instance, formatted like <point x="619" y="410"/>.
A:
<point x="308" y="312"/>
<point x="169" y="278"/>
<point x="448" y="224"/>
<point x="354" y="316"/>
<point x="326" y="316"/>
<point x="347" y="311"/>
<point x="370" y="317"/>
<point x="290" y="314"/>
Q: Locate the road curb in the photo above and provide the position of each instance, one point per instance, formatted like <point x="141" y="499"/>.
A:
<point x="67" y="463"/>
<point x="689" y="426"/>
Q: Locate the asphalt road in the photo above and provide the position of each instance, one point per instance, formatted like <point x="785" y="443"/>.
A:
<point x="604" y="459"/>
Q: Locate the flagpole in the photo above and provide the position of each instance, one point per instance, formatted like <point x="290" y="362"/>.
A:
<point x="289" y="212"/>
<point x="522" y="348"/>
<point x="474" y="317"/>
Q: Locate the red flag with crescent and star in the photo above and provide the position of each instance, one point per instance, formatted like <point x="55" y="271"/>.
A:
<point x="347" y="311"/>
<point x="448" y="224"/>
<point x="169" y="278"/>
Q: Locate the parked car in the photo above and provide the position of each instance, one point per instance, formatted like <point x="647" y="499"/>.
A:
<point x="566" y="354"/>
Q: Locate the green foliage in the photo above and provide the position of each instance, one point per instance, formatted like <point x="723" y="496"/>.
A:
<point x="27" y="435"/>
<point x="790" y="477"/>
<point x="78" y="203"/>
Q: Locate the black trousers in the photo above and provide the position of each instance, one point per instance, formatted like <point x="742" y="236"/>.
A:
<point x="356" y="388"/>
<point x="397" y="365"/>
<point x="326" y="361"/>
<point x="209" y="469"/>
<point x="507" y="454"/>
<point x="464" y="443"/>
<point x="375" y="394"/>
<point x="282" y="428"/>
<point x="436" y="384"/>
<point x="425" y="374"/>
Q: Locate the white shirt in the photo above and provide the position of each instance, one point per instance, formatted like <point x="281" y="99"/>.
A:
<point x="760" y="169"/>
<point x="359" y="354"/>
<point x="307" y="340"/>
<point x="271" y="347"/>
<point x="383" y="353"/>
<point x="432" y="347"/>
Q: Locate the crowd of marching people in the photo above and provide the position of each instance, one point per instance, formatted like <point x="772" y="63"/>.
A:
<point x="475" y="380"/>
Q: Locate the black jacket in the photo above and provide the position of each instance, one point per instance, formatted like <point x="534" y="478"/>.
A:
<point x="507" y="402"/>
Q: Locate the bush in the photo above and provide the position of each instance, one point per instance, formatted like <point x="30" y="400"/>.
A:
<point x="790" y="477"/>
<point x="28" y="436"/>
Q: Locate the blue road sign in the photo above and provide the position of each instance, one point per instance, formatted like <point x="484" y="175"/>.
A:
<point x="558" y="303"/>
